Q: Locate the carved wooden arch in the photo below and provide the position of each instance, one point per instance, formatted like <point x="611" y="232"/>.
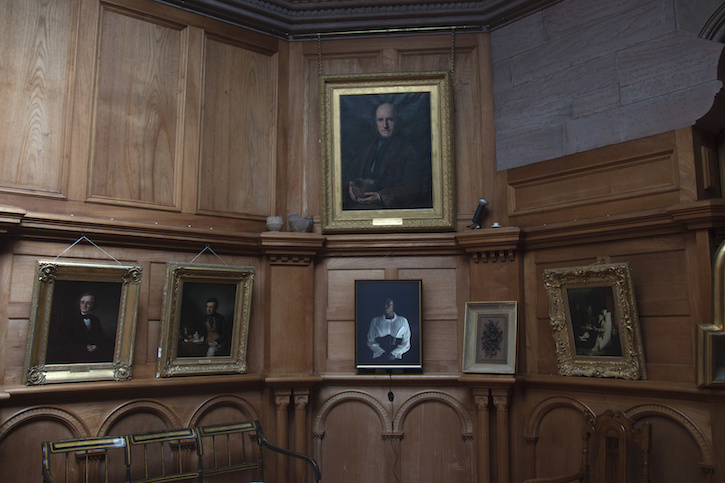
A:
<point x="544" y="407"/>
<point x="140" y="406"/>
<point x="640" y="412"/>
<point x="438" y="396"/>
<point x="68" y="419"/>
<point x="347" y="396"/>
<point x="226" y="400"/>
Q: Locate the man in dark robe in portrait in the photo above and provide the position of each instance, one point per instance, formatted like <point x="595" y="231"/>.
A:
<point x="388" y="173"/>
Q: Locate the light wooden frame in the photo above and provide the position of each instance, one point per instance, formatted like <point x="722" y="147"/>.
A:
<point x="711" y="337"/>
<point x="370" y="301"/>
<point x="577" y="296"/>
<point x="57" y="289"/>
<point x="188" y="288"/>
<point x="348" y="104"/>
<point x="489" y="338"/>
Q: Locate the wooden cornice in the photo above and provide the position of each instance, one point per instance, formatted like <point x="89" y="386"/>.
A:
<point x="10" y="217"/>
<point x="691" y="215"/>
<point x="491" y="244"/>
<point x="305" y="19"/>
<point x="290" y="248"/>
<point x="389" y="244"/>
<point x="66" y="228"/>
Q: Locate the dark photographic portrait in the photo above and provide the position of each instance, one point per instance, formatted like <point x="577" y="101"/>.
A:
<point x="83" y="322"/>
<point x="207" y="315"/>
<point x="385" y="142"/>
<point x="388" y="323"/>
<point x="595" y="329"/>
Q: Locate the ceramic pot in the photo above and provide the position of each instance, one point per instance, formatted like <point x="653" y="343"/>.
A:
<point x="275" y="223"/>
<point x="299" y="224"/>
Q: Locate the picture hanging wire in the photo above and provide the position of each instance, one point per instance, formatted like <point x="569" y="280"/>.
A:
<point x="83" y="237"/>
<point x="207" y="247"/>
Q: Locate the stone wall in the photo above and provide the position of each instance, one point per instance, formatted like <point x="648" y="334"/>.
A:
<point x="584" y="74"/>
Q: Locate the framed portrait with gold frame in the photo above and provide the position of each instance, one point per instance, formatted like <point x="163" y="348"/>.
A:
<point x="205" y="319"/>
<point x="82" y="322"/>
<point x="387" y="152"/>
<point x="489" y="338"/>
<point x="593" y="316"/>
<point x="711" y="337"/>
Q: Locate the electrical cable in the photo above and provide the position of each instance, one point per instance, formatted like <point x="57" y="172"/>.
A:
<point x="391" y="398"/>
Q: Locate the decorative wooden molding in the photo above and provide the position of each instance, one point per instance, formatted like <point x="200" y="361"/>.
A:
<point x="223" y="401"/>
<point x="436" y="396"/>
<point x="491" y="244"/>
<point x="639" y="412"/>
<point x="700" y="214"/>
<point x="289" y="19"/>
<point x="10" y="217"/>
<point x="322" y="413"/>
<point x="51" y="226"/>
<point x="531" y="432"/>
<point x="290" y="248"/>
<point x="69" y="420"/>
<point x="141" y="406"/>
<point x="392" y="244"/>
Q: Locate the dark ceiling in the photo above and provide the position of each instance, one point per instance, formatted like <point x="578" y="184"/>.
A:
<point x="305" y="19"/>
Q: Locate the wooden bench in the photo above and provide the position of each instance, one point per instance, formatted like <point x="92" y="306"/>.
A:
<point x="190" y="454"/>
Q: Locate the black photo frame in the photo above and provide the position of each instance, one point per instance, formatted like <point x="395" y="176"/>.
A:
<point x="388" y="351"/>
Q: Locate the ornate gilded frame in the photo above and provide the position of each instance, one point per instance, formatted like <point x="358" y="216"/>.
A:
<point x="347" y="109"/>
<point x="577" y="299"/>
<point x="188" y="288"/>
<point x="711" y="337"/>
<point x="489" y="338"/>
<point x="57" y="289"/>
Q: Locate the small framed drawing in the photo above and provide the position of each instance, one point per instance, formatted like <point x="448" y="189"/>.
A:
<point x="489" y="338"/>
<point x="205" y="319"/>
<point x="593" y="316"/>
<point x="82" y="323"/>
<point x="387" y="156"/>
<point x="388" y="324"/>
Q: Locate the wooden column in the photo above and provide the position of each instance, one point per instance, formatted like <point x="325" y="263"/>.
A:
<point x="288" y="355"/>
<point x="484" y="449"/>
<point x="495" y="271"/>
<point x="485" y="389"/>
<point x="282" y="400"/>
<point x="501" y="402"/>
<point x="301" y="397"/>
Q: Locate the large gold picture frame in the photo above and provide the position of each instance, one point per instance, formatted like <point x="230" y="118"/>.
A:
<point x="711" y="337"/>
<point x="205" y="319"/>
<point x="67" y="345"/>
<point x="593" y="316"/>
<point x="387" y="152"/>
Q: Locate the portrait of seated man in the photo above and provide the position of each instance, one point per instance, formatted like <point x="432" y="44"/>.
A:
<point x="390" y="171"/>
<point x="207" y="320"/>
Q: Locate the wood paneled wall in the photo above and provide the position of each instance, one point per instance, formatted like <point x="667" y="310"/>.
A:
<point x="156" y="132"/>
